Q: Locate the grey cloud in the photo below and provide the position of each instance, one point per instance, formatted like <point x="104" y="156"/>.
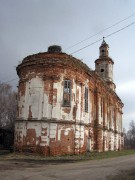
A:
<point x="30" y="26"/>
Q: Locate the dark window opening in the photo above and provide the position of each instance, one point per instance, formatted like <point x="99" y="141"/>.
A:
<point x="101" y="107"/>
<point x="67" y="93"/>
<point x="103" y="52"/>
<point x="86" y="99"/>
<point x="102" y="70"/>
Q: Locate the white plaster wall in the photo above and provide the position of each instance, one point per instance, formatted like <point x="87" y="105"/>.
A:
<point x="36" y="100"/>
<point x="119" y="122"/>
<point x="116" y="141"/>
<point x="121" y="130"/>
<point x="77" y="136"/>
<point x="112" y="118"/>
<point x="101" y="66"/>
<point x="53" y="130"/>
<point x="106" y="114"/>
<point x="37" y="127"/>
<point x="78" y="112"/>
<point x="108" y="117"/>
<point x="66" y="131"/>
<point x="110" y="72"/>
<point x="26" y="106"/>
<point x="56" y="112"/>
<point x="119" y="140"/>
<point x="116" y="120"/>
<point x="47" y="108"/>
<point x="99" y="110"/>
<point x="21" y="106"/>
<point x="45" y="138"/>
<point x="81" y="136"/>
<point x="20" y="131"/>
<point x="112" y="141"/>
<point x="33" y="97"/>
<point x="91" y="118"/>
<point x="86" y="117"/>
<point x="105" y="134"/>
<point x="89" y="144"/>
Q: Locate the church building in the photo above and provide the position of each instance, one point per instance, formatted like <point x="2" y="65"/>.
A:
<point x="64" y="107"/>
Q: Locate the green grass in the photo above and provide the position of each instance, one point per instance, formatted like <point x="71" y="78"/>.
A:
<point x="110" y="154"/>
<point x="67" y="158"/>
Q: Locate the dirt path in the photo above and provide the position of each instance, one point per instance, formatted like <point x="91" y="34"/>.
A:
<point x="86" y="170"/>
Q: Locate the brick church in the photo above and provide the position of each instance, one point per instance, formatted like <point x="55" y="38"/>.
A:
<point x="64" y="107"/>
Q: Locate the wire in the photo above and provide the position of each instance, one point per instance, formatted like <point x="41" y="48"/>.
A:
<point x="86" y="46"/>
<point x="120" y="29"/>
<point x="100" y="31"/>
<point x="102" y="38"/>
<point x="94" y="41"/>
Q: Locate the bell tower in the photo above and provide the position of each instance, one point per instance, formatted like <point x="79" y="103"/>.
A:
<point x="104" y="65"/>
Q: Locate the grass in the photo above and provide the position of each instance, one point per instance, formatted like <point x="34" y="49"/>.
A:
<point x="66" y="158"/>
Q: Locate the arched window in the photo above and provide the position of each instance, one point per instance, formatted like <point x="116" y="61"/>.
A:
<point x="86" y="99"/>
<point x="67" y="93"/>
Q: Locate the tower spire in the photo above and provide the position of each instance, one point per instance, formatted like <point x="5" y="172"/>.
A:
<point x="104" y="65"/>
<point x="104" y="49"/>
<point x="103" y="42"/>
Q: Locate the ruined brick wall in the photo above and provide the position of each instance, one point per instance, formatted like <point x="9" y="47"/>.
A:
<point x="45" y="126"/>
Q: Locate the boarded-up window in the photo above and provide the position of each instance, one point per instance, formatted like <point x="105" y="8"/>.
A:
<point x="86" y="99"/>
<point x="67" y="93"/>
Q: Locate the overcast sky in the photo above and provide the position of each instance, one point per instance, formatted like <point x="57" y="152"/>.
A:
<point x="30" y="26"/>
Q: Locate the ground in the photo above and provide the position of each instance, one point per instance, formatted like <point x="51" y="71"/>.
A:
<point x="115" y="168"/>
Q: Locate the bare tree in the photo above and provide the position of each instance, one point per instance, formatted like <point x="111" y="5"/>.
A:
<point x="8" y="105"/>
<point x="131" y="134"/>
<point x="129" y="137"/>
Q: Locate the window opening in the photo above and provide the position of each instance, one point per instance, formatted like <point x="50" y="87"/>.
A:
<point x="101" y="107"/>
<point x="102" y="70"/>
<point x="86" y="99"/>
<point x="67" y="93"/>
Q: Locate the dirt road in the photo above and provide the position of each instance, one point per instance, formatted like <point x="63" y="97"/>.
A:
<point x="86" y="170"/>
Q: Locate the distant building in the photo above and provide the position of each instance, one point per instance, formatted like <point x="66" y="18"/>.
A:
<point x="64" y="107"/>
